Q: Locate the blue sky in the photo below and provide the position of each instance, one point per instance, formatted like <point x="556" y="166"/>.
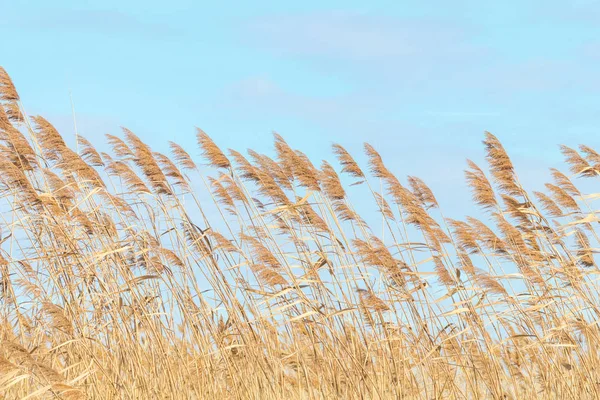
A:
<point x="420" y="81"/>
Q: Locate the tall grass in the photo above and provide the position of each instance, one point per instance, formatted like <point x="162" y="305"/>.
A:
<point x="139" y="275"/>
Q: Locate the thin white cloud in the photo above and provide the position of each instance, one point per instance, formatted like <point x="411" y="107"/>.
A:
<point x="105" y="22"/>
<point x="355" y="36"/>
<point x="464" y="113"/>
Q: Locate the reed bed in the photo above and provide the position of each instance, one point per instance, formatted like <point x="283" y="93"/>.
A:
<point x="140" y="275"/>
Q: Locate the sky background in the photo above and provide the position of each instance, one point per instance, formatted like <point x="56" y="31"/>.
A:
<point x="420" y="81"/>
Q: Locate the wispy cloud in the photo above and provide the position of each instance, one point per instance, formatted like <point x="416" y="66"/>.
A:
<point x="462" y="114"/>
<point x="406" y="57"/>
<point x="358" y="37"/>
<point x="260" y="93"/>
<point x="420" y="57"/>
<point x="581" y="11"/>
<point x="86" y="21"/>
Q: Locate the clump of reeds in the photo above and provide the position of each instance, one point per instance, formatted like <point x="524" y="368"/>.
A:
<point x="117" y="282"/>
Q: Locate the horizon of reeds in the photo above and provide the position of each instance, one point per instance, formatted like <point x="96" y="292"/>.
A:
<point x="116" y="282"/>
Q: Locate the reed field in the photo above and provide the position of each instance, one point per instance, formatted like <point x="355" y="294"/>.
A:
<point x="208" y="273"/>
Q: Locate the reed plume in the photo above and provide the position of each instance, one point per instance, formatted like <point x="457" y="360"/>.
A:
<point x="210" y="151"/>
